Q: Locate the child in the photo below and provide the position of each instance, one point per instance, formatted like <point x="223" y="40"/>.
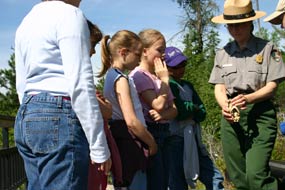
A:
<point x="95" y="36"/>
<point x="97" y="179"/>
<point x="191" y="112"/>
<point x="119" y="54"/>
<point x="151" y="79"/>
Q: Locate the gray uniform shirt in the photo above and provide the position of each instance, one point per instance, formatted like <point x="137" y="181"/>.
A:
<point x="247" y="70"/>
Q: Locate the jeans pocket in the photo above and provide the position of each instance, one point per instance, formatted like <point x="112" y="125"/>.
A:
<point x="42" y="133"/>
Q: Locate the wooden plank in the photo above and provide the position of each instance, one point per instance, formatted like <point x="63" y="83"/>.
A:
<point x="12" y="170"/>
<point x="6" y="121"/>
<point x="277" y="168"/>
<point x="5" y="137"/>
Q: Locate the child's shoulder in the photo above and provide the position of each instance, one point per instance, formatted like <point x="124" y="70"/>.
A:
<point x="187" y="82"/>
<point x="139" y="73"/>
<point x="181" y="82"/>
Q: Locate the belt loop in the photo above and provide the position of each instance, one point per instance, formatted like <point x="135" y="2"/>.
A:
<point x="59" y="101"/>
<point x="27" y="98"/>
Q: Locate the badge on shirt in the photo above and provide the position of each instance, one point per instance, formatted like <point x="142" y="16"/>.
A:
<point x="276" y="55"/>
<point x="259" y="59"/>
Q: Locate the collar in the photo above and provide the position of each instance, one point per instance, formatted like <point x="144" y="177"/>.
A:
<point x="232" y="47"/>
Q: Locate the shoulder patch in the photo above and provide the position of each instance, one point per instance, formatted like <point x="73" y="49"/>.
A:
<point x="276" y="55"/>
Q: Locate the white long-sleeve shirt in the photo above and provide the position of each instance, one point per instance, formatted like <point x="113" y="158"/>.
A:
<point x="52" y="54"/>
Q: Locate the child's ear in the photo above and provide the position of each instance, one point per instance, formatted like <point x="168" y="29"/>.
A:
<point x="144" y="52"/>
<point x="169" y="71"/>
<point x="123" y="51"/>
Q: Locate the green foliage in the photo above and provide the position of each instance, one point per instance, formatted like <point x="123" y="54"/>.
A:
<point x="262" y="33"/>
<point x="274" y="36"/>
<point x="8" y="97"/>
<point x="198" y="72"/>
<point x="281" y="34"/>
<point x="279" y="100"/>
<point x="197" y="22"/>
<point x="100" y="84"/>
<point x="279" y="148"/>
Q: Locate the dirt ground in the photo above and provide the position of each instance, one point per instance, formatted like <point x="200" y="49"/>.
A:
<point x="110" y="187"/>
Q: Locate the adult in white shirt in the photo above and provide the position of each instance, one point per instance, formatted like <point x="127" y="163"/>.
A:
<point x="59" y="119"/>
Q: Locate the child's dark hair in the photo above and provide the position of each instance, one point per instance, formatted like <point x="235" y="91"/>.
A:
<point x="94" y="31"/>
<point x="122" y="39"/>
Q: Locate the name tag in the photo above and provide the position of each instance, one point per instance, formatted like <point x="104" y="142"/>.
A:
<point x="227" y="65"/>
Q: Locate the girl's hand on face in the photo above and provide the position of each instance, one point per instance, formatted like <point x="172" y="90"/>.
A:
<point x="160" y="69"/>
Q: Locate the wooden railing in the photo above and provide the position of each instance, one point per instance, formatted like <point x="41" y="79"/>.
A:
<point x="12" y="172"/>
<point x="278" y="170"/>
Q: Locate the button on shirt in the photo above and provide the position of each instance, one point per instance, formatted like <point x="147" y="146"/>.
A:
<point x="249" y="69"/>
<point x="52" y="55"/>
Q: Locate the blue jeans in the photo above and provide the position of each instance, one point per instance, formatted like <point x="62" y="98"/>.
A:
<point x="139" y="181"/>
<point x="52" y="143"/>
<point x="210" y="176"/>
<point x="157" y="173"/>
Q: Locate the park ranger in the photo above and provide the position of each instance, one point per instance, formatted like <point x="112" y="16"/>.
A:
<point x="246" y="74"/>
<point x="277" y="17"/>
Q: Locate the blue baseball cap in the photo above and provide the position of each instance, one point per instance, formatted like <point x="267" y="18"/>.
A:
<point x="173" y="56"/>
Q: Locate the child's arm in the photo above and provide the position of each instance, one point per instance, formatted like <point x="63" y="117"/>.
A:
<point x="200" y="113"/>
<point x="185" y="109"/>
<point x="166" y="114"/>
<point x="134" y="124"/>
<point x="154" y="100"/>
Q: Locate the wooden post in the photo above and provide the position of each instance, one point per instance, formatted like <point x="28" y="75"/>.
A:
<point x="6" y="122"/>
<point x="5" y="135"/>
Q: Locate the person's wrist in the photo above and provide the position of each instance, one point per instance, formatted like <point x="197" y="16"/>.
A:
<point x="165" y="79"/>
<point x="246" y="99"/>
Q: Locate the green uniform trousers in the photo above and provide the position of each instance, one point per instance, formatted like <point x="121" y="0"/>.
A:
<point x="248" y="145"/>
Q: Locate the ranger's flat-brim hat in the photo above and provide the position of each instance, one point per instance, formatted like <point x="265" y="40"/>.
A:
<point x="280" y="9"/>
<point x="237" y="11"/>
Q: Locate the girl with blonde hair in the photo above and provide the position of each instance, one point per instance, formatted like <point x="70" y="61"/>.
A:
<point x="152" y="83"/>
<point x="120" y="54"/>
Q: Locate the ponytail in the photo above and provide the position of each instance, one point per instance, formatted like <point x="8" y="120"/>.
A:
<point x="121" y="39"/>
<point x="105" y="56"/>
